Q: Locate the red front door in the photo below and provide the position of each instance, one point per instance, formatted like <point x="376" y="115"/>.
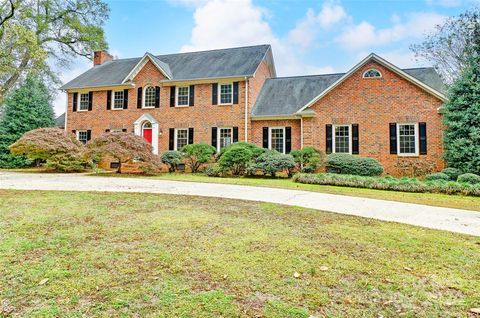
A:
<point x="147" y="134"/>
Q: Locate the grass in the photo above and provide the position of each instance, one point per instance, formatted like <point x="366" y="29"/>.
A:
<point x="442" y="200"/>
<point x="65" y="254"/>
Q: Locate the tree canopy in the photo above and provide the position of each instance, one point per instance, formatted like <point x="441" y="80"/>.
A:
<point x="28" y="107"/>
<point x="448" y="47"/>
<point x="32" y="31"/>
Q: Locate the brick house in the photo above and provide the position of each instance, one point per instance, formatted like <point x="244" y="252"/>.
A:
<point x="228" y="95"/>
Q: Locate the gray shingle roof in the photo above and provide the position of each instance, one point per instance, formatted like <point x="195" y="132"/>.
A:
<point x="60" y="121"/>
<point x="287" y="95"/>
<point x="233" y="62"/>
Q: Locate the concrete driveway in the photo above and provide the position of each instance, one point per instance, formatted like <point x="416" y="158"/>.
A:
<point x="455" y="220"/>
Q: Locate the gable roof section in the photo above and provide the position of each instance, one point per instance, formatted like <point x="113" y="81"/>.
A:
<point x="222" y="63"/>
<point x="290" y="96"/>
<point x="161" y="66"/>
<point x="388" y="65"/>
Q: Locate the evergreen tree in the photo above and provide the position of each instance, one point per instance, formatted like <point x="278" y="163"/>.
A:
<point x="27" y="108"/>
<point x="462" y="116"/>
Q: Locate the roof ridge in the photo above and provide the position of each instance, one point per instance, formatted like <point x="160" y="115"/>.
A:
<point x="213" y="50"/>
<point x="299" y="76"/>
<point x="418" y="68"/>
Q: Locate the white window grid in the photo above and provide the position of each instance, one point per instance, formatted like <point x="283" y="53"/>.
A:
<point x="82" y="136"/>
<point x="225" y="137"/>
<point x="181" y="138"/>
<point x="225" y="92"/>
<point x="118" y="100"/>
<point x="183" y="98"/>
<point x="83" y="101"/>
<point x="407" y="139"/>
<point x="277" y="139"/>
<point x="149" y="97"/>
<point x="342" y="139"/>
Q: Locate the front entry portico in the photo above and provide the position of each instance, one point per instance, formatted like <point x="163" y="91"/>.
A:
<point x="147" y="127"/>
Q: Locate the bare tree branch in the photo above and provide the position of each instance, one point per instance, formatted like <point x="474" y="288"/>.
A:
<point x="9" y="15"/>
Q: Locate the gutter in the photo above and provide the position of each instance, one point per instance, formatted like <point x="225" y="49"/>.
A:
<point x="246" y="109"/>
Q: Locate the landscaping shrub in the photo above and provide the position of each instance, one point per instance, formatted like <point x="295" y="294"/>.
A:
<point x="452" y="173"/>
<point x="414" y="167"/>
<point x="195" y="155"/>
<point x="172" y="159"/>
<point x="349" y="164"/>
<point x="308" y="159"/>
<point x="437" y="176"/>
<point x="271" y="162"/>
<point x="256" y="150"/>
<point x="235" y="159"/>
<point x="469" y="178"/>
<point x="214" y="170"/>
<point x="61" y="151"/>
<point x="124" y="147"/>
<point x="389" y="183"/>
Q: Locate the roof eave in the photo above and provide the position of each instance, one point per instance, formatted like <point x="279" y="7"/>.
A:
<point x="240" y="77"/>
<point x="63" y="88"/>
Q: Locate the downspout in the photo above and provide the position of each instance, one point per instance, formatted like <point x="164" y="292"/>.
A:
<point x="301" y="132"/>
<point x="246" y="109"/>
<point x="66" y="111"/>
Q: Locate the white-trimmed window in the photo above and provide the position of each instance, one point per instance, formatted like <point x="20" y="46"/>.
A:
<point x="372" y="73"/>
<point x="118" y="100"/>
<point x="407" y="139"/>
<point x="149" y="97"/>
<point x="225" y="93"/>
<point x="342" y="139"/>
<point x="83" y="101"/>
<point x="181" y="138"/>
<point x="276" y="139"/>
<point x="116" y="130"/>
<point x="183" y="96"/>
<point x="82" y="136"/>
<point x="225" y="137"/>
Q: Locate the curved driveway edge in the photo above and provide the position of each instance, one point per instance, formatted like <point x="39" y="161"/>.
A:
<point x="454" y="220"/>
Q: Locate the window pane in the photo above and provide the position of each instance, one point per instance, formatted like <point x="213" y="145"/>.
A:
<point x="225" y="93"/>
<point x="182" y="98"/>
<point x="276" y="139"/>
<point x="83" y="102"/>
<point x="150" y="96"/>
<point x="225" y="137"/>
<point x="182" y="138"/>
<point x="372" y="73"/>
<point x="82" y="136"/>
<point x="342" y="139"/>
<point x="118" y="100"/>
<point x="407" y="139"/>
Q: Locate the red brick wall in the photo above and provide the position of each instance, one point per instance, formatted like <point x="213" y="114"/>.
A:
<point x="373" y="104"/>
<point x="202" y="117"/>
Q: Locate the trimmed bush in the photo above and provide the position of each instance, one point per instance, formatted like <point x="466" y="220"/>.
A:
<point x="214" y="170"/>
<point x="61" y="151"/>
<point x="349" y="164"/>
<point x="469" y="178"/>
<point x="256" y="150"/>
<point x="172" y="159"/>
<point x="271" y="162"/>
<point x="308" y="159"/>
<point x="437" y="176"/>
<point x="389" y="183"/>
<point x="195" y="155"/>
<point x="452" y="173"/>
<point x="235" y="159"/>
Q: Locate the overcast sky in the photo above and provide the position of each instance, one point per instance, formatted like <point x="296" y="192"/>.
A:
<point x="308" y="37"/>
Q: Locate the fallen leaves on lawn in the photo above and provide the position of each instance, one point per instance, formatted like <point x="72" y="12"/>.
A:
<point x="43" y="281"/>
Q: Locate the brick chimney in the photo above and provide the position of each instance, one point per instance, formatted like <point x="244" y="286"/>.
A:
<point x="100" y="57"/>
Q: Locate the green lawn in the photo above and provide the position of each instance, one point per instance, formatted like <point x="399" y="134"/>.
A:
<point x="65" y="254"/>
<point x="443" y="200"/>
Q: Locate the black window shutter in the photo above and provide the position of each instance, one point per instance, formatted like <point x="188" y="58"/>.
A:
<point x="125" y="99"/>
<point x="265" y="137"/>
<point x="393" y="138"/>
<point x="214" y="137"/>
<point x="171" y="138"/>
<point x="109" y="100"/>
<point x="157" y="96"/>
<point x="235" y="134"/>
<point x="139" y="97"/>
<point x="235" y="92"/>
<point x="89" y="135"/>
<point x="90" y="100"/>
<point x="355" y="142"/>
<point x="422" y="129"/>
<point x="107" y="130"/>
<point x="75" y="101"/>
<point x="190" y="136"/>
<point x="214" y="94"/>
<point x="288" y="139"/>
<point x="74" y="132"/>
<point x="124" y="129"/>
<point x="172" y="96"/>
<point x="192" y="95"/>
<point x="328" y="140"/>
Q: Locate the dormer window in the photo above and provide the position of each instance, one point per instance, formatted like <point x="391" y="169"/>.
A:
<point x="372" y="73"/>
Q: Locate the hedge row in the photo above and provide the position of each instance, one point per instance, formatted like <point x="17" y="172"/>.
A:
<point x="389" y="183"/>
